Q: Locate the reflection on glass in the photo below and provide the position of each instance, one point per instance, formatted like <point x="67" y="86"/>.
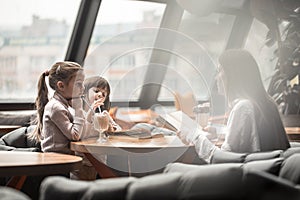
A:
<point x="122" y="43"/>
<point x="256" y="44"/>
<point x="33" y="35"/>
<point x="199" y="42"/>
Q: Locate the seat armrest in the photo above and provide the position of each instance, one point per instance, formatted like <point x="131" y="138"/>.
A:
<point x="221" y="156"/>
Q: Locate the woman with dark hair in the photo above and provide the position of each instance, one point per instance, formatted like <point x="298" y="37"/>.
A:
<point x="254" y="123"/>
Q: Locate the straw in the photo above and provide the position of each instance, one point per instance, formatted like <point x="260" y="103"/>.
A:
<point x="87" y="103"/>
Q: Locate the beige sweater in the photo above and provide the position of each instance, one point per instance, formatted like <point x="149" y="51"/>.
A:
<point x="60" y="127"/>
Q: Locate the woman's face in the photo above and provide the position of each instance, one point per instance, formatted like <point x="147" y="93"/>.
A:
<point x="96" y="93"/>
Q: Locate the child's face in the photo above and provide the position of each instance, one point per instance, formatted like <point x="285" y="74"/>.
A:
<point x="75" y="87"/>
<point x="96" y="93"/>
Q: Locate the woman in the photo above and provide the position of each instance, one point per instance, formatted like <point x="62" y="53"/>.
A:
<point x="254" y="123"/>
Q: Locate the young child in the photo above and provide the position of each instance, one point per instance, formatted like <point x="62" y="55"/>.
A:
<point x="61" y="119"/>
<point x="97" y="91"/>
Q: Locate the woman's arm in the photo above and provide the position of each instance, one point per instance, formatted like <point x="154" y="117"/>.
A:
<point x="242" y="134"/>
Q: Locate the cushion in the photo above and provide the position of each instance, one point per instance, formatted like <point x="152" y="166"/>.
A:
<point x="262" y="185"/>
<point x="7" y="193"/>
<point x="2" y="142"/>
<point x="263" y="155"/>
<point x="219" y="181"/>
<point x="290" y="169"/>
<point x="15" y="119"/>
<point x="181" y="167"/>
<point x="221" y="156"/>
<point x="6" y="148"/>
<point x="56" y="187"/>
<point x="290" y="151"/>
<point x="114" y="188"/>
<point x="271" y="166"/>
<point x="295" y="144"/>
<point x="158" y="186"/>
<point x="16" y="138"/>
<point x="30" y="149"/>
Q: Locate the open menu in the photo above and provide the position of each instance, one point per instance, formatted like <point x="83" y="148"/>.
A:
<point x="177" y="120"/>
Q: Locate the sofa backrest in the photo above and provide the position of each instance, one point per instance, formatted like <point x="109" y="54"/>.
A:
<point x="264" y="186"/>
<point x="221" y="156"/>
<point x="7" y="193"/>
<point x="223" y="181"/>
<point x="290" y="169"/>
<point x="17" y="140"/>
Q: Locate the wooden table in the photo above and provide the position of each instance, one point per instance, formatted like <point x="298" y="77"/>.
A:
<point x="19" y="165"/>
<point x="293" y="133"/>
<point x="153" y="153"/>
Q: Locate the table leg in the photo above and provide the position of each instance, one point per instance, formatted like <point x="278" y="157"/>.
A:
<point x="16" y="182"/>
<point x="103" y="170"/>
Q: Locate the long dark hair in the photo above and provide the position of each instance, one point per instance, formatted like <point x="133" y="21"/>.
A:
<point x="243" y="81"/>
<point x="99" y="82"/>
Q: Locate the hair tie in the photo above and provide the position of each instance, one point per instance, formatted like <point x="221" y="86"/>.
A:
<point x="46" y="73"/>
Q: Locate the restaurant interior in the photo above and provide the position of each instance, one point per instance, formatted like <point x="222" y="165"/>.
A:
<point x="161" y="58"/>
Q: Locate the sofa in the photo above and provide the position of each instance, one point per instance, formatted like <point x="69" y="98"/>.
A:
<point x="273" y="178"/>
<point x="18" y="140"/>
<point x="263" y="175"/>
<point x="7" y="193"/>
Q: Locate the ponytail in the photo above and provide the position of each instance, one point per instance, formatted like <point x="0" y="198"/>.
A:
<point x="40" y="103"/>
<point x="60" y="71"/>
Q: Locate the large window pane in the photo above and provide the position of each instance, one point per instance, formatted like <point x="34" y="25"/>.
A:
<point x="264" y="55"/>
<point x="122" y="43"/>
<point x="199" y="42"/>
<point x="33" y="35"/>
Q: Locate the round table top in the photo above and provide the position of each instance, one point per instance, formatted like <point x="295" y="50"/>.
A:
<point x="14" y="163"/>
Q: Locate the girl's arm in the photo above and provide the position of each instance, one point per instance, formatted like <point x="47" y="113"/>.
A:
<point x="61" y="118"/>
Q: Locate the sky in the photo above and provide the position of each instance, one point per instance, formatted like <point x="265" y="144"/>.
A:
<point x="19" y="12"/>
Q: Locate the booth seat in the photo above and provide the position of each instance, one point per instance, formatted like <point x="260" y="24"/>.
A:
<point x="18" y="140"/>
<point x="250" y="180"/>
<point x="7" y="193"/>
<point x="228" y="176"/>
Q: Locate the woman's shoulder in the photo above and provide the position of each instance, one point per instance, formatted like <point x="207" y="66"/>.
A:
<point x="243" y="104"/>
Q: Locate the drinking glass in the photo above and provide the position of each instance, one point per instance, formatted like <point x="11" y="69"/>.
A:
<point x="101" y="124"/>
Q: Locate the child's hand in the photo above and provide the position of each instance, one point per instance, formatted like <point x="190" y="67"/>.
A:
<point x="98" y="103"/>
<point x="76" y="103"/>
<point x="110" y="128"/>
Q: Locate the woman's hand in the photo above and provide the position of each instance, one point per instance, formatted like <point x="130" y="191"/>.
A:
<point x="181" y="135"/>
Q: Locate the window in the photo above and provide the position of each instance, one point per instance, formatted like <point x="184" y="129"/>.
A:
<point x="264" y="55"/>
<point x="33" y="35"/>
<point x="122" y="43"/>
<point x="193" y="59"/>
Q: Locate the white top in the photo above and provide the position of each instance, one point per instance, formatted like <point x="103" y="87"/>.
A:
<point x="241" y="133"/>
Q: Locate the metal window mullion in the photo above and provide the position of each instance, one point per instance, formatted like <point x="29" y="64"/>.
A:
<point x="155" y="75"/>
<point x="83" y="29"/>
